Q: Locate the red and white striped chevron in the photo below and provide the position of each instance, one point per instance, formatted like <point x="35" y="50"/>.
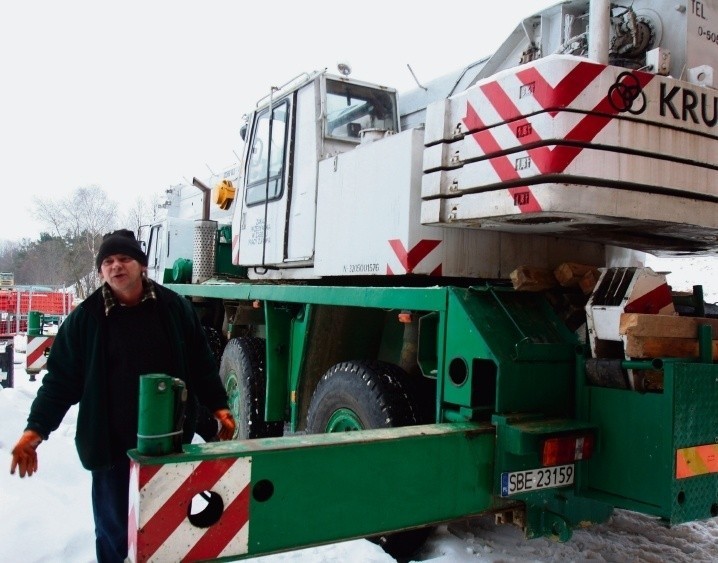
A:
<point x="424" y="257"/>
<point x="159" y="529"/>
<point x="36" y="360"/>
<point x="553" y="147"/>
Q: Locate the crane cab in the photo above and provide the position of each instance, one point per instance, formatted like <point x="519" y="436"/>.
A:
<point x="313" y="117"/>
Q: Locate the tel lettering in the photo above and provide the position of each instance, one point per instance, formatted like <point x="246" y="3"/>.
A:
<point x="697" y="8"/>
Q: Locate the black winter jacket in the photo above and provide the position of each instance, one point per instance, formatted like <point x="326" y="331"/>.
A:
<point x="76" y="373"/>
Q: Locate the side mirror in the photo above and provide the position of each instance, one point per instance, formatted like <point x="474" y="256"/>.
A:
<point x="243" y="132"/>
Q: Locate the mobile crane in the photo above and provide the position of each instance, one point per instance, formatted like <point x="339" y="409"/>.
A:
<point x="393" y="352"/>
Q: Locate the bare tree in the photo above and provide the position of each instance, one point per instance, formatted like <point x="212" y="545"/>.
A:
<point x="8" y="250"/>
<point x="80" y="221"/>
<point x="141" y="213"/>
<point x="43" y="263"/>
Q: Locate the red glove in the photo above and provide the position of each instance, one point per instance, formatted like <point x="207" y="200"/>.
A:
<point x="227" y="425"/>
<point x="24" y="454"/>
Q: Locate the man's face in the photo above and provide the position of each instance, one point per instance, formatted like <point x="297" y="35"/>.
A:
<point x="122" y="273"/>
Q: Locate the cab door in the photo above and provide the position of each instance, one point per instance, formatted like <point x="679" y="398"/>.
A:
<point x="154" y="250"/>
<point x="165" y="242"/>
<point x="264" y="203"/>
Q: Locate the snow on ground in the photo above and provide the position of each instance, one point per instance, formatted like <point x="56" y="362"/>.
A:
<point x="685" y="272"/>
<point x="48" y="518"/>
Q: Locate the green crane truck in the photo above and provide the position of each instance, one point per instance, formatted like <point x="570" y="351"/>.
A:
<point x="435" y="305"/>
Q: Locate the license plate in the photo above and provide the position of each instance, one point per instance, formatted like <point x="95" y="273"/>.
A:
<point x="535" y="479"/>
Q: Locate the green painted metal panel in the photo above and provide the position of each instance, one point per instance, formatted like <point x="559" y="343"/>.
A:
<point x="314" y="489"/>
<point x="425" y="299"/>
<point x="223" y="264"/>
<point x="534" y="353"/>
<point x="634" y="466"/>
<point x="428" y="346"/>
<point x="555" y="511"/>
<point x="279" y="320"/>
<point x="695" y="412"/>
<point x="298" y="343"/>
<point x="464" y="341"/>
<point x="370" y="488"/>
<point x="634" y="450"/>
<point x="518" y="325"/>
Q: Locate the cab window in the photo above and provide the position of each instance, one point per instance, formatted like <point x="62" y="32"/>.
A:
<point x="265" y="165"/>
<point x="154" y="247"/>
<point x="352" y="108"/>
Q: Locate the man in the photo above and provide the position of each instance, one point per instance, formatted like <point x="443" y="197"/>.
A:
<point x="130" y="326"/>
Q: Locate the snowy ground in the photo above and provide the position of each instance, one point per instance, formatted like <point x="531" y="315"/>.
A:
<point x="48" y="518"/>
<point x="684" y="273"/>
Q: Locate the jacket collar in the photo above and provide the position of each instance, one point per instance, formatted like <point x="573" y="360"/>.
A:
<point x="110" y="301"/>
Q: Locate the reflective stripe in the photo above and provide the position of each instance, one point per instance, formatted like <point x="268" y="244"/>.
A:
<point x="698" y="460"/>
<point x="159" y="527"/>
<point x="36" y="360"/>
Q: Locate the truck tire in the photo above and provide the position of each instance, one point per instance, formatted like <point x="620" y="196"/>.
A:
<point x="360" y="396"/>
<point x="242" y="373"/>
<point x="367" y="395"/>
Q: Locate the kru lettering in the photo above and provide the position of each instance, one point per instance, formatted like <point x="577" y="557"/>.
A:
<point x="686" y="105"/>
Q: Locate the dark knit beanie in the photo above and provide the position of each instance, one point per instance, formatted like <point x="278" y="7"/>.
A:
<point x="120" y="242"/>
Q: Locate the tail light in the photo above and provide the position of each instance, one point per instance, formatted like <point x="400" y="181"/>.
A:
<point x="561" y="450"/>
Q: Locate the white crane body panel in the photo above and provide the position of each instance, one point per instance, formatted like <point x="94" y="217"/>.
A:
<point x="368" y="211"/>
<point x="566" y="146"/>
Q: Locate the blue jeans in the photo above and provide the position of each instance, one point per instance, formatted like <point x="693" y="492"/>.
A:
<point x="110" y="491"/>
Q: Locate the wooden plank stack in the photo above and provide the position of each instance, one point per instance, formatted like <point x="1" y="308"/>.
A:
<point x="664" y="336"/>
<point x="567" y="274"/>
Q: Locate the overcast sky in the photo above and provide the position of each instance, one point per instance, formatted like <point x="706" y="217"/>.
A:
<point x="134" y="96"/>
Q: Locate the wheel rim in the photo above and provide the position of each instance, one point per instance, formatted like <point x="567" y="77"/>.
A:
<point x="232" y="387"/>
<point x="344" y="420"/>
